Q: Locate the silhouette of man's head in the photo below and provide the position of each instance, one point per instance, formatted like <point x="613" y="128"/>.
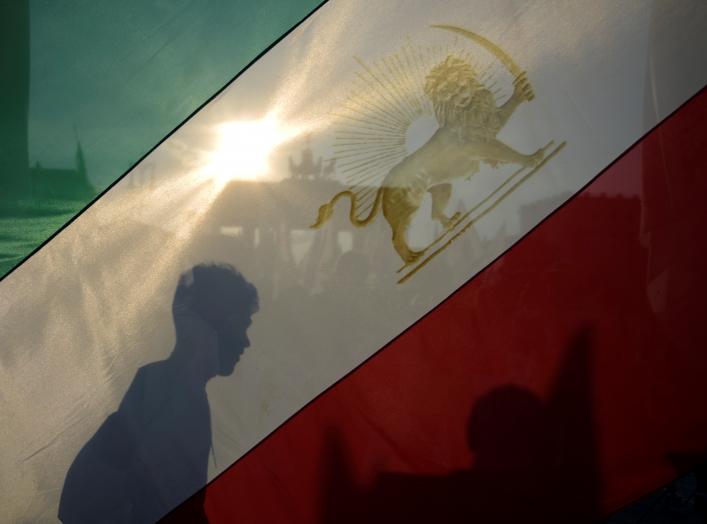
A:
<point x="509" y="428"/>
<point x="224" y="301"/>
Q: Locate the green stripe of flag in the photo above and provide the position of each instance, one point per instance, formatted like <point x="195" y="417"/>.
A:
<point x="90" y="86"/>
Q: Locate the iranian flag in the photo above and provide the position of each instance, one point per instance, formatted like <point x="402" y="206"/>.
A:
<point x="421" y="262"/>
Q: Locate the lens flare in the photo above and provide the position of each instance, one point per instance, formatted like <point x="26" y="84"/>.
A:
<point x="243" y="149"/>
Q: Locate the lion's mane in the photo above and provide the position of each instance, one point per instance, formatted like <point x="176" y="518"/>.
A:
<point x="459" y="99"/>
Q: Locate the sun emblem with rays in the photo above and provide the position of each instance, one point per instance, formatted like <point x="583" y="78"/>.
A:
<point x="428" y="117"/>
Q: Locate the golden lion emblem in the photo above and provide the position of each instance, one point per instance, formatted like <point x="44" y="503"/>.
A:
<point x="469" y="120"/>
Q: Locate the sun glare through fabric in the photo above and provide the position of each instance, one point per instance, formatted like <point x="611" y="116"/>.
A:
<point x="243" y="148"/>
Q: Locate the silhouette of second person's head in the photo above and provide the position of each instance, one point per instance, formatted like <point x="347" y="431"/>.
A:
<point x="212" y="310"/>
<point x="510" y="429"/>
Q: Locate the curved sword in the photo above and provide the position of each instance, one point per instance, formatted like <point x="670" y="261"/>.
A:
<point x="499" y="53"/>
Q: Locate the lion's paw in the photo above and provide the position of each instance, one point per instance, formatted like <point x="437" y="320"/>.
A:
<point x="522" y="88"/>
<point x="537" y="157"/>
<point x="451" y="221"/>
<point x="413" y="256"/>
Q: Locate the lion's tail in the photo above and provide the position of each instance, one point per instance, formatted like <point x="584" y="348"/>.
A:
<point x="327" y="210"/>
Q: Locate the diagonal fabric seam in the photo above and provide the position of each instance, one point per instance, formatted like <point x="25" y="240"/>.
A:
<point x="448" y="297"/>
<point x="163" y="139"/>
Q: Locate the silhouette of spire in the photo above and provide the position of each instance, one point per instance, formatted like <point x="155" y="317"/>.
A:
<point x="80" y="158"/>
<point x="307" y="167"/>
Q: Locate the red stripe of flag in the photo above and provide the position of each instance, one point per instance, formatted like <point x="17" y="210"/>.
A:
<point x="562" y="382"/>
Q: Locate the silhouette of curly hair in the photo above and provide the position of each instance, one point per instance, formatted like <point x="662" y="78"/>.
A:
<point x="215" y="292"/>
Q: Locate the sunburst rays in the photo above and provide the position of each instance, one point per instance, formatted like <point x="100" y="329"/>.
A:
<point x="387" y="97"/>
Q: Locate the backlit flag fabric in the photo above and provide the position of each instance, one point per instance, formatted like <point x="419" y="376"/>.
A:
<point x="89" y="89"/>
<point x="372" y="163"/>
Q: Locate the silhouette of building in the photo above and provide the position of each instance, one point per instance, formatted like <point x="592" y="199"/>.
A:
<point x="64" y="184"/>
<point x="533" y="213"/>
<point x="308" y="168"/>
<point x="271" y="220"/>
<point x="17" y="179"/>
<point x="14" y="102"/>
